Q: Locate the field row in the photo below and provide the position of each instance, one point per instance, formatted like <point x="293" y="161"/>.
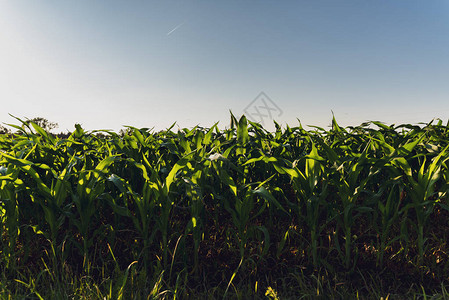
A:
<point x="224" y="204"/>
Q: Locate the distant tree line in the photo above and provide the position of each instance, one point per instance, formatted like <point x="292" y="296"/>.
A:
<point x="49" y="126"/>
<point x="41" y="122"/>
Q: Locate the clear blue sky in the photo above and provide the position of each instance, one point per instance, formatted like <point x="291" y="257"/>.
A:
<point x="105" y="64"/>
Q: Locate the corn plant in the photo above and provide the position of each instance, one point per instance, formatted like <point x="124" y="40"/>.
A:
<point x="9" y="211"/>
<point x="421" y="190"/>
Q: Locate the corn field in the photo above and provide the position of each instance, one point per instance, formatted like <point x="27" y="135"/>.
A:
<point x="146" y="215"/>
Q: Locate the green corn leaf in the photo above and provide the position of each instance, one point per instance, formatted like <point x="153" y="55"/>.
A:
<point x="118" y="182"/>
<point x="105" y="163"/>
<point x="178" y="166"/>
<point x="43" y="133"/>
<point x="407" y="148"/>
<point x="227" y="179"/>
<point x="381" y="125"/>
<point x="242" y="131"/>
<point x="16" y="161"/>
<point x="261" y="191"/>
<point x="266" y="234"/>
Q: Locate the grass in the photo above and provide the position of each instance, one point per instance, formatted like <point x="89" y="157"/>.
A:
<point x="242" y="213"/>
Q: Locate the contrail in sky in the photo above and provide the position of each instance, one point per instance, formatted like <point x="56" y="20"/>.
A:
<point x="173" y="30"/>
